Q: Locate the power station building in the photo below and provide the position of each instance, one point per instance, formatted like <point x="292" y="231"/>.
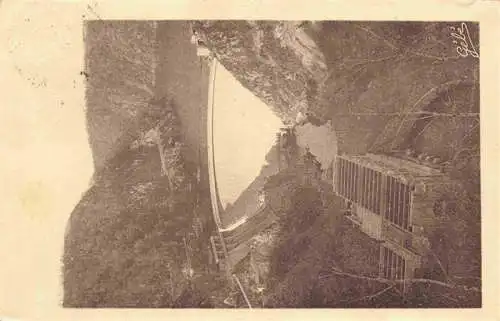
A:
<point x="394" y="201"/>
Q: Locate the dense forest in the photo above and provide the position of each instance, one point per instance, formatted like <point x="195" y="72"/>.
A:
<point x="125" y="238"/>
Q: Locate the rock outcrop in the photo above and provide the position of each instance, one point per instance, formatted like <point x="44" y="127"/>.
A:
<point x="278" y="61"/>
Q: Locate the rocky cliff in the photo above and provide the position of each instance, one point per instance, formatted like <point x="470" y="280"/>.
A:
<point x="278" y="61"/>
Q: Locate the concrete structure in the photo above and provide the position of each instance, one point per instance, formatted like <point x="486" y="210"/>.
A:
<point x="202" y="51"/>
<point x="393" y="201"/>
<point x="249" y="214"/>
<point x="217" y="241"/>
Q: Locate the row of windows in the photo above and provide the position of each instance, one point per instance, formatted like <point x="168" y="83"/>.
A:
<point x="374" y="191"/>
<point x="393" y="265"/>
<point x="398" y="197"/>
<point x="360" y="184"/>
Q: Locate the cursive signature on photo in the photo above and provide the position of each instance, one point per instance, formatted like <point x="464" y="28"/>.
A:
<point x="461" y="38"/>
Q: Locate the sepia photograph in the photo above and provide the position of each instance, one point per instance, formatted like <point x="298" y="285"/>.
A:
<point x="260" y="164"/>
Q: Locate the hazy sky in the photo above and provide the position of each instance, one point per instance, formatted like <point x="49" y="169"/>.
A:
<point x="46" y="160"/>
<point x="244" y="131"/>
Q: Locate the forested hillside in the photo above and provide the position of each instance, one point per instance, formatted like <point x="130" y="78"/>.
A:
<point x="120" y="63"/>
<point x="124" y="243"/>
<point x="137" y="238"/>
